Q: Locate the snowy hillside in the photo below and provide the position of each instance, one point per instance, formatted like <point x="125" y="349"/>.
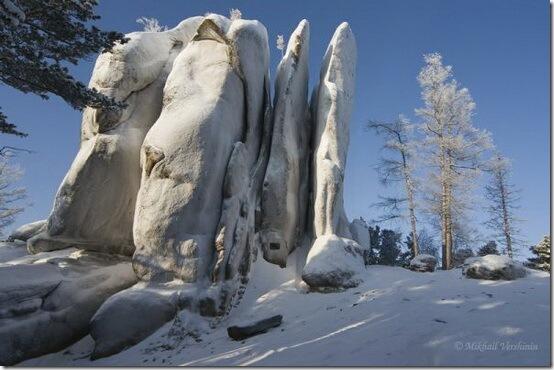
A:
<point x="397" y="317"/>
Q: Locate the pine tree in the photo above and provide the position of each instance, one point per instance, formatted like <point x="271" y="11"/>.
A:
<point x="385" y="246"/>
<point x="541" y="261"/>
<point x="453" y="148"/>
<point x="389" y="249"/>
<point x="489" y="248"/>
<point x="37" y="41"/>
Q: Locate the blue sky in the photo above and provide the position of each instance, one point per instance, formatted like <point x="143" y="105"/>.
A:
<point x="498" y="49"/>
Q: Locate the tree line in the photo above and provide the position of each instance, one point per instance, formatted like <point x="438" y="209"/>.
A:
<point x="436" y="163"/>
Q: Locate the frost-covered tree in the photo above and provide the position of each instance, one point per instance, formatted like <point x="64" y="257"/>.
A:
<point x="37" y="41"/>
<point x="397" y="166"/>
<point x="426" y="243"/>
<point x="235" y="14"/>
<point x="280" y="43"/>
<point x="10" y="194"/>
<point x="503" y="198"/>
<point x="453" y="147"/>
<point x="151" y="24"/>
<point x="489" y="248"/>
<point x="541" y="261"/>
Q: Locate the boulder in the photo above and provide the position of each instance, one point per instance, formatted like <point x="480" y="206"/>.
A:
<point x="27" y="231"/>
<point x="423" y="263"/>
<point x="259" y="327"/>
<point x="493" y="267"/>
<point x="128" y="317"/>
<point x="46" y="304"/>
<point x="285" y="190"/>
<point x="334" y="263"/>
<point x="94" y="206"/>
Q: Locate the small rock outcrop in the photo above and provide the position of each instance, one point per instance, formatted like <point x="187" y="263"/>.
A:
<point x="493" y="267"/>
<point x="423" y="263"/>
<point x="360" y="232"/>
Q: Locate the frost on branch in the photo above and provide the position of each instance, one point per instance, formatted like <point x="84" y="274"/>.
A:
<point x="151" y="24"/>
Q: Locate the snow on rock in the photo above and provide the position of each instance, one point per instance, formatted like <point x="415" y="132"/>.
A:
<point x="128" y="317"/>
<point x="285" y="190"/>
<point x="12" y="250"/>
<point x="395" y="317"/>
<point x="185" y="154"/>
<point x="360" y="232"/>
<point x="333" y="263"/>
<point x="46" y="304"/>
<point x="95" y="203"/>
<point x="423" y="263"/>
<point x="493" y="267"/>
<point x="332" y="105"/>
<point x="27" y="231"/>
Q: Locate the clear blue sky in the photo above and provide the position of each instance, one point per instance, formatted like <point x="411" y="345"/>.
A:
<point x="499" y="50"/>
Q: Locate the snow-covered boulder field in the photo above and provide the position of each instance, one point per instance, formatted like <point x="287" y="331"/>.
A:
<point x="423" y="263"/>
<point x="493" y="267"/>
<point x="395" y="317"/>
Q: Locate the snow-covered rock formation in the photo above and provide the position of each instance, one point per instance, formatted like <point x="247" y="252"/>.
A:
<point x="95" y="204"/>
<point x="285" y="196"/>
<point x="195" y="174"/>
<point x="332" y="102"/>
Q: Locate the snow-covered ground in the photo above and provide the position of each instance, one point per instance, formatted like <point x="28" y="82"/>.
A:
<point x="397" y="317"/>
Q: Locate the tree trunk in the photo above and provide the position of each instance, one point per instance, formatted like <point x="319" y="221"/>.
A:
<point x="444" y="230"/>
<point x="505" y="217"/>
<point x="411" y="208"/>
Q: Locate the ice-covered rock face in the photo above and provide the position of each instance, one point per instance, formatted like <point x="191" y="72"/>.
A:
<point x="332" y="105"/>
<point x="285" y="192"/>
<point x="213" y="98"/>
<point x="94" y="206"/>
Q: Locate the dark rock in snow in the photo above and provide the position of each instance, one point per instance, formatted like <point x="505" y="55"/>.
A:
<point x="493" y="267"/>
<point x="423" y="263"/>
<point x="259" y="327"/>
